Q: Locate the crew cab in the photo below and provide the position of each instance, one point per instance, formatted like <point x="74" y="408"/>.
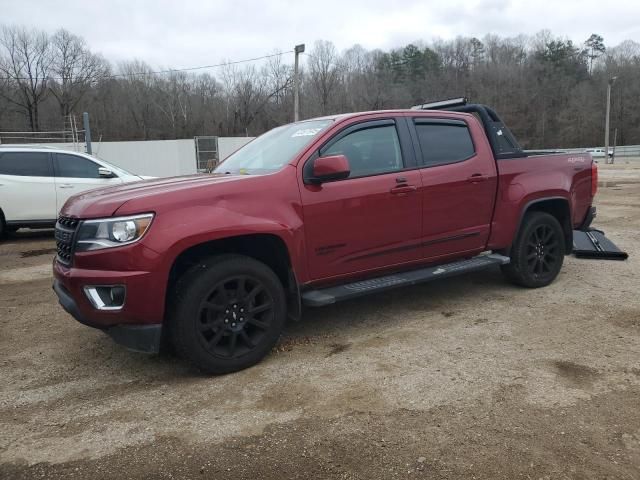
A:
<point x="312" y="213"/>
<point x="35" y="182"/>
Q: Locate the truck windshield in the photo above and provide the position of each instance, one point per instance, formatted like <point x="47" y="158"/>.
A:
<point x="272" y="150"/>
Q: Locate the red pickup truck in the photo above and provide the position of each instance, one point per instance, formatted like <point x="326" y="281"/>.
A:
<point x="312" y="213"/>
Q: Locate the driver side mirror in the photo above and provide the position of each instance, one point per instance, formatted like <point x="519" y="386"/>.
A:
<point x="105" y="173"/>
<point x="332" y="167"/>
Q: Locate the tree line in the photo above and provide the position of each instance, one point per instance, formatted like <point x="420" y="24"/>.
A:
<point x="549" y="90"/>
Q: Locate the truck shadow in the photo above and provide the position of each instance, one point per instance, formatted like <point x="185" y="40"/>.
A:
<point x="442" y="297"/>
<point x="449" y="301"/>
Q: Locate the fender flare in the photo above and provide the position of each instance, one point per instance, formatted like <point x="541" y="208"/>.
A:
<point x="529" y="204"/>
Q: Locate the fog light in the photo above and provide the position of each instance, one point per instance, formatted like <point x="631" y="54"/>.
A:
<point x="107" y="297"/>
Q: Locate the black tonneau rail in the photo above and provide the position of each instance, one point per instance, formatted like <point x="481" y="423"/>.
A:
<point x="532" y="153"/>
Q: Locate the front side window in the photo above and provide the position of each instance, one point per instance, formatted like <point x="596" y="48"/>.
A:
<point x="25" y="164"/>
<point x="443" y="143"/>
<point x="370" y="151"/>
<point x="74" y="166"/>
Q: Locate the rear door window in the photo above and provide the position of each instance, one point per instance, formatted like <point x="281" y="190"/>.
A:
<point x="444" y="141"/>
<point x="74" y="166"/>
<point x="25" y="164"/>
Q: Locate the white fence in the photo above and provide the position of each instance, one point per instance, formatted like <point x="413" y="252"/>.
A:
<point x="157" y="158"/>
<point x="166" y="158"/>
<point x="621" y="151"/>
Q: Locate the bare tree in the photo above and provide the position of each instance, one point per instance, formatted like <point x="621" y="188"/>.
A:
<point x="324" y="72"/>
<point x="172" y="99"/>
<point x="208" y="105"/>
<point x="279" y="82"/>
<point x="25" y="67"/>
<point x="138" y="88"/>
<point x="248" y="93"/>
<point x="547" y="89"/>
<point x="75" y="70"/>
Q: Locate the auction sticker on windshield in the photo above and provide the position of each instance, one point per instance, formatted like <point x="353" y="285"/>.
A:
<point x="306" y="132"/>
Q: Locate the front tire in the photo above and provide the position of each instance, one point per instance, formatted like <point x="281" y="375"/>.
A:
<point x="228" y="313"/>
<point x="538" y="252"/>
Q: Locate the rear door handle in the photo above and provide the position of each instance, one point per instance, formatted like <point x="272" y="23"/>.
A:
<point x="403" y="189"/>
<point x="477" y="177"/>
<point x="66" y="185"/>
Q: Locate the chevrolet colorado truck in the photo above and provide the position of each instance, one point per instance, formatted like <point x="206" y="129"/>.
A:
<point x="309" y="214"/>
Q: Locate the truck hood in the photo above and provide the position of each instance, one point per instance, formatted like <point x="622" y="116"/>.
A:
<point x="104" y="202"/>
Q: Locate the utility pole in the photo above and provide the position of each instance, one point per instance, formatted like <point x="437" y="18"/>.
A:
<point x="611" y="81"/>
<point x="296" y="84"/>
<point x="87" y="132"/>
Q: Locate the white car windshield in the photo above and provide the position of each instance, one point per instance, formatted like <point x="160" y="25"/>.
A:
<point x="274" y="149"/>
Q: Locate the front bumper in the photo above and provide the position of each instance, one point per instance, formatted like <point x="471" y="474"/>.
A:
<point x="140" y="338"/>
<point x="138" y="326"/>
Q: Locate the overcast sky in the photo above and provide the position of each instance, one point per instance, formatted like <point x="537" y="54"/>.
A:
<point x="188" y="33"/>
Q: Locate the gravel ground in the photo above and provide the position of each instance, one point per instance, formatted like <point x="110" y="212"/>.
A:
<point x="465" y="378"/>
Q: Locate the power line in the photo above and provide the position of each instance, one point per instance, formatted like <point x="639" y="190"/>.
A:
<point x="172" y="70"/>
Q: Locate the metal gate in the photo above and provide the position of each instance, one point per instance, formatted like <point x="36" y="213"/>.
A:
<point x="207" y="157"/>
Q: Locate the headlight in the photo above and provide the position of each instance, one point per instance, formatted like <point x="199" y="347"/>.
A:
<point x="111" y="232"/>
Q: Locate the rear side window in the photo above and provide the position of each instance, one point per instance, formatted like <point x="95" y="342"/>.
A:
<point x="370" y="151"/>
<point x="443" y="143"/>
<point x="25" y="164"/>
<point x="74" y="166"/>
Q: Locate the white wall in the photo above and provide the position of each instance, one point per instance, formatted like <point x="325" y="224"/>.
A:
<point x="157" y="158"/>
<point x="228" y="145"/>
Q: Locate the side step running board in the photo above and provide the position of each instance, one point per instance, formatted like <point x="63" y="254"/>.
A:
<point x="593" y="244"/>
<point x="327" y="296"/>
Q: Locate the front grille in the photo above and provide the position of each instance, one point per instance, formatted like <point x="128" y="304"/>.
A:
<point x="65" y="236"/>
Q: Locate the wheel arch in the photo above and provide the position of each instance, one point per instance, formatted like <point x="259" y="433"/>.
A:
<point x="559" y="208"/>
<point x="267" y="248"/>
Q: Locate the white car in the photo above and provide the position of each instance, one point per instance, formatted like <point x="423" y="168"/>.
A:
<point x="598" y="152"/>
<point x="35" y="182"/>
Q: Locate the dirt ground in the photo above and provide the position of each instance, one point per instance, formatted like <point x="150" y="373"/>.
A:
<point x="465" y="378"/>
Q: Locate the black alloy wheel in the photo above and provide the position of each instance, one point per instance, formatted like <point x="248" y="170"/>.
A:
<point x="537" y="253"/>
<point x="235" y="316"/>
<point x="226" y="313"/>
<point x="543" y="251"/>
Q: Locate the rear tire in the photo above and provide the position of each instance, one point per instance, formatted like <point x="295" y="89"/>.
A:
<point x="227" y="314"/>
<point x="538" y="252"/>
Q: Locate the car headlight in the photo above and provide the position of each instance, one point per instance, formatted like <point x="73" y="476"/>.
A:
<point x="111" y="232"/>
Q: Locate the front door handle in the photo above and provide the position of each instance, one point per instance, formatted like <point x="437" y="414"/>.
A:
<point x="403" y="189"/>
<point x="66" y="185"/>
<point x="477" y="178"/>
